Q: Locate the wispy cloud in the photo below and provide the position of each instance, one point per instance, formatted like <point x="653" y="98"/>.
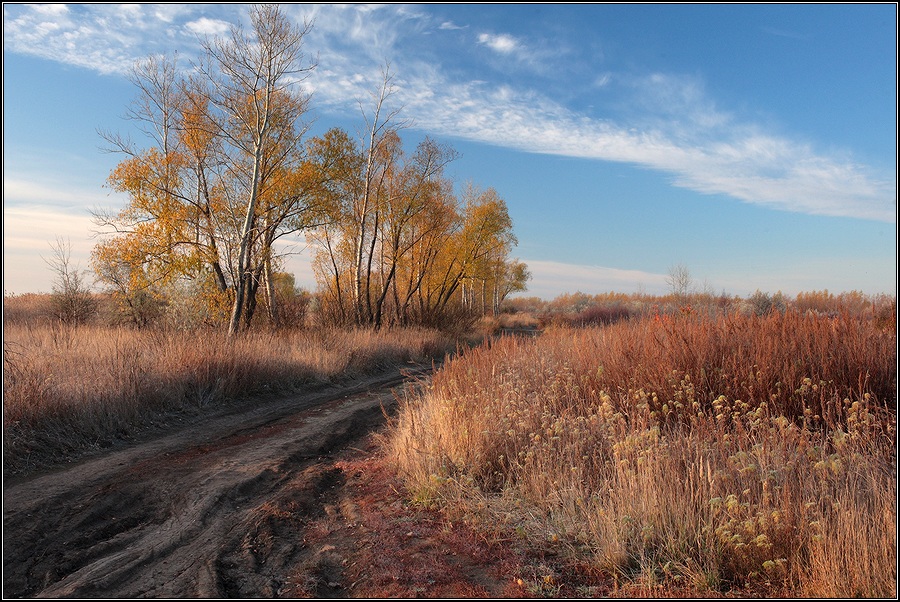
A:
<point x="28" y="232"/>
<point x="106" y="38"/>
<point x="32" y="228"/>
<point x="502" y="43"/>
<point x="52" y="10"/>
<point x="674" y="127"/>
<point x="719" y="157"/>
<point x="25" y="191"/>
<point x="602" y="80"/>
<point x="208" y="27"/>
<point x="450" y="25"/>
<point x="552" y="278"/>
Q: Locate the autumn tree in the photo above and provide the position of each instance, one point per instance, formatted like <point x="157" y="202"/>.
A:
<point x="508" y="277"/>
<point x="152" y="237"/>
<point x="399" y="247"/>
<point x="139" y="302"/>
<point x="224" y="177"/>
<point x="338" y="163"/>
<point x="424" y="251"/>
<point x="227" y="173"/>
<point x="465" y="263"/>
<point x="252" y="87"/>
<point x="381" y="150"/>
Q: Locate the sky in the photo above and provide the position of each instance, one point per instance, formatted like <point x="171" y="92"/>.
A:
<point x="754" y="145"/>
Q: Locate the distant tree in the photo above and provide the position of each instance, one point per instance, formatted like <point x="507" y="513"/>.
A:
<point x="292" y="301"/>
<point x="510" y="277"/>
<point x="137" y="301"/>
<point x="71" y="300"/>
<point x="403" y="249"/>
<point x="760" y="303"/>
<point x="680" y="282"/>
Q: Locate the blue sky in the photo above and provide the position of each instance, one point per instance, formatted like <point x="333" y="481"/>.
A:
<point x="755" y="145"/>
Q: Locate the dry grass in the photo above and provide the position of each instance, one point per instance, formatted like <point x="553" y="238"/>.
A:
<point x="742" y="454"/>
<point x="67" y="389"/>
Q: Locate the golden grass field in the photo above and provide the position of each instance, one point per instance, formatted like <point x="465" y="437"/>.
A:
<point x="69" y="389"/>
<point x="735" y="453"/>
<point x="700" y="452"/>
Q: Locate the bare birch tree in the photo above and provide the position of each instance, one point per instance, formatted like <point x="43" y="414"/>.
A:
<point x="381" y="129"/>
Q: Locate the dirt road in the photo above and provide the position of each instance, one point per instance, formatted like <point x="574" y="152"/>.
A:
<point x="220" y="508"/>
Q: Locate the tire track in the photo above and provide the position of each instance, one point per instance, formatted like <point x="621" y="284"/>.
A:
<point x="214" y="510"/>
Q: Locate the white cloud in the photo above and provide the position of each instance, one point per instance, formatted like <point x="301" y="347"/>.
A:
<point x="28" y="233"/>
<point x="168" y="13"/>
<point x="674" y="126"/>
<point x="789" y="275"/>
<point x="51" y="9"/>
<point x="131" y="11"/>
<point x="602" y="80"/>
<point x="713" y="155"/>
<point x="208" y="27"/>
<point x="550" y="279"/>
<point x="502" y="43"/>
<point x="678" y="130"/>
<point x="106" y="38"/>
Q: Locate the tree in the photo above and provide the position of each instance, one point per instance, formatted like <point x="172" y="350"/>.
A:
<point x="411" y="252"/>
<point x="138" y="301"/>
<point x="252" y="81"/>
<point x="509" y="277"/>
<point x="225" y="176"/>
<point x="680" y="282"/>
<point x="71" y="301"/>
<point x="338" y="162"/>
<point x="463" y="260"/>
<point x="228" y="173"/>
<point x="382" y="147"/>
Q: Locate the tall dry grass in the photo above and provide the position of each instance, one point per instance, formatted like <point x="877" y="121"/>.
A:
<point x="66" y="389"/>
<point x="741" y="453"/>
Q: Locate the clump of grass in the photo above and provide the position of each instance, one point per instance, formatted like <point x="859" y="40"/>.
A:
<point x="67" y="389"/>
<point x="737" y="453"/>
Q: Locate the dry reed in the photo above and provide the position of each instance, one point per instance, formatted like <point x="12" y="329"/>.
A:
<point x="67" y="389"/>
<point x="738" y="453"/>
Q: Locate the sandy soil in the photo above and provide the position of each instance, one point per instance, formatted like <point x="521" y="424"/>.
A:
<point x="281" y="498"/>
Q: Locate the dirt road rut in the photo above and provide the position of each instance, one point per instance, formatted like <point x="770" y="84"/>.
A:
<point x="197" y="513"/>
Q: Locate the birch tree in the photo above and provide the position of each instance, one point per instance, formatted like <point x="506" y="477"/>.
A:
<point x="225" y="175"/>
<point x="253" y="80"/>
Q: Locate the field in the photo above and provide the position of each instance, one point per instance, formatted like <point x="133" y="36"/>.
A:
<point x="636" y="447"/>
<point x="71" y="389"/>
<point x="747" y="454"/>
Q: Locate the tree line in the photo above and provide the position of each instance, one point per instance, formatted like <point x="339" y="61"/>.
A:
<point x="229" y="170"/>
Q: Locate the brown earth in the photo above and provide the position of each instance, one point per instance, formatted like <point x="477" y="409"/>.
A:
<point x="280" y="498"/>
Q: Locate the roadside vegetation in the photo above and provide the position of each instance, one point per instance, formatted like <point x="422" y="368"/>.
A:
<point x="692" y="450"/>
<point x="71" y="388"/>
